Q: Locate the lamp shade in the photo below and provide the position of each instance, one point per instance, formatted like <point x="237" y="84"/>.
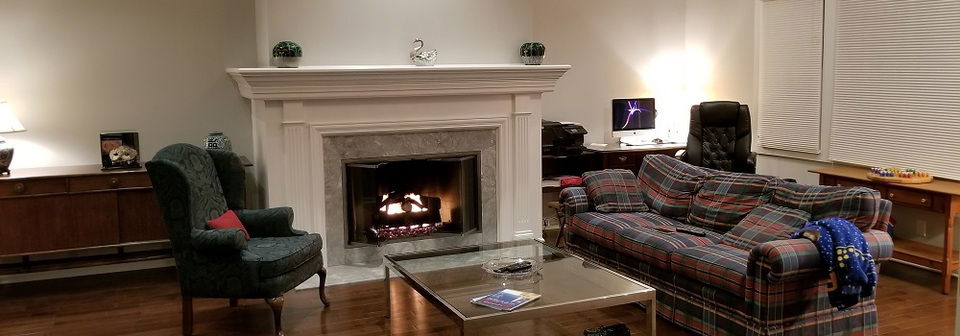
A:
<point x="8" y="121"/>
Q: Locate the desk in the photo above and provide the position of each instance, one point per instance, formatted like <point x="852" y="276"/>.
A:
<point x="630" y="158"/>
<point x="940" y="196"/>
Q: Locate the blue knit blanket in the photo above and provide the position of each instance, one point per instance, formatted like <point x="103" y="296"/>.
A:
<point x="844" y="252"/>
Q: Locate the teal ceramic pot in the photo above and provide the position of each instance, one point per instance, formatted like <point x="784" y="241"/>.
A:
<point x="287" y="54"/>
<point x="531" y="53"/>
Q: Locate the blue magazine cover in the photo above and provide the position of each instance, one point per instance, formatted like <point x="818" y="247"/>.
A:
<point x="505" y="300"/>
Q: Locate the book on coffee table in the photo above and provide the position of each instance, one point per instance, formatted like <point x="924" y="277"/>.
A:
<point x="506" y="300"/>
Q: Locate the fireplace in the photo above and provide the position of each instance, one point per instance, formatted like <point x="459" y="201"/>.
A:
<point x="408" y="198"/>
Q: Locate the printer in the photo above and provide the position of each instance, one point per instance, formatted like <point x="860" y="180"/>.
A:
<point x="562" y="137"/>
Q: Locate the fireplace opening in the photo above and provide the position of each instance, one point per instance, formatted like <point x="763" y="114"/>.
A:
<point x="411" y="198"/>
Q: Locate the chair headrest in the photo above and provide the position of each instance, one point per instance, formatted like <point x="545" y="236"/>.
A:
<point x="720" y="113"/>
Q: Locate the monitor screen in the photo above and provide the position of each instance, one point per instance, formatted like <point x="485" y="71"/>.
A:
<point x="634" y="114"/>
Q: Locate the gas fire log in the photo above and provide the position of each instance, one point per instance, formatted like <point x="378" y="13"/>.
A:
<point x="407" y="223"/>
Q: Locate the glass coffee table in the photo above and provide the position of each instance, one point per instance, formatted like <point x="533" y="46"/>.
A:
<point x="449" y="278"/>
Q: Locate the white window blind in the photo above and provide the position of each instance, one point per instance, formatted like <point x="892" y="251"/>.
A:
<point x="897" y="89"/>
<point x="791" y="68"/>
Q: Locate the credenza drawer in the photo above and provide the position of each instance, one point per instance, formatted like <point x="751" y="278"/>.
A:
<point x="908" y="196"/>
<point x="33" y="187"/>
<point x="108" y="182"/>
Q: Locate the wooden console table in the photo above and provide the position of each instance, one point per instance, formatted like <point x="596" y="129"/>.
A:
<point x="62" y="209"/>
<point x="940" y="196"/>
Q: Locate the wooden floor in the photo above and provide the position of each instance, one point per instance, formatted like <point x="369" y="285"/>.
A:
<point x="147" y="303"/>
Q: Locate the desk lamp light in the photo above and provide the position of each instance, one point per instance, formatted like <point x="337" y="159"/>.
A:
<point x="8" y="124"/>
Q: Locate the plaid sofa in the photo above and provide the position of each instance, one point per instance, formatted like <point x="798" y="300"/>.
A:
<point x="743" y="276"/>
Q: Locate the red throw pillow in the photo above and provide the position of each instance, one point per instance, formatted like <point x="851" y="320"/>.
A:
<point x="571" y="182"/>
<point x="228" y="220"/>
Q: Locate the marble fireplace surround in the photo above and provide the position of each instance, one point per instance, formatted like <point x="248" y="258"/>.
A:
<point x="300" y="114"/>
<point x="364" y="147"/>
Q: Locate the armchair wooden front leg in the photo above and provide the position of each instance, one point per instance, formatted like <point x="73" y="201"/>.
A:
<point x="233" y="302"/>
<point x="323" y="281"/>
<point x="187" y="307"/>
<point x="276" y="304"/>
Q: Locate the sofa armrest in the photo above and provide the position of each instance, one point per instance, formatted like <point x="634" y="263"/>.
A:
<point x="225" y="240"/>
<point x="795" y="259"/>
<point x="881" y="245"/>
<point x="574" y="200"/>
<point x="273" y="222"/>
<point x="787" y="260"/>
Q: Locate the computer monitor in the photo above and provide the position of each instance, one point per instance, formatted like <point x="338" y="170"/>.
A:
<point x="634" y="117"/>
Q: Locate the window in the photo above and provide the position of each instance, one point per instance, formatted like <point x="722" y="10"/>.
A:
<point x="791" y="57"/>
<point x="897" y="85"/>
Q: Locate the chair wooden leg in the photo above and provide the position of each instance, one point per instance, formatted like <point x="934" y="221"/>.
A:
<point x="233" y="302"/>
<point x="323" y="281"/>
<point x="277" y="305"/>
<point x="187" y="307"/>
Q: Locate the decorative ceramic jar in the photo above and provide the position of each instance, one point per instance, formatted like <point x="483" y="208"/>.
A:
<point x="216" y="140"/>
<point x="287" y="54"/>
<point x="531" y="53"/>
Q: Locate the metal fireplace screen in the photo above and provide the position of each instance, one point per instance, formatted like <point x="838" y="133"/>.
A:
<point x="411" y="198"/>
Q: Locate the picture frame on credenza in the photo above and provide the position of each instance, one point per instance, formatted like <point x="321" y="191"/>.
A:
<point x="120" y="150"/>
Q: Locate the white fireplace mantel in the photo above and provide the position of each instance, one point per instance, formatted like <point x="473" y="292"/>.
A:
<point x="363" y="81"/>
<point x="295" y="109"/>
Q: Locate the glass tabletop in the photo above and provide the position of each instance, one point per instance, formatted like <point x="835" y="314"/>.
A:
<point x="454" y="276"/>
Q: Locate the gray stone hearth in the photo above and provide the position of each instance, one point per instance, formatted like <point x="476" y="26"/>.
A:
<point x="340" y="148"/>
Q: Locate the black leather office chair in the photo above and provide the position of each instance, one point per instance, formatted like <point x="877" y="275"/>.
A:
<point x="720" y="137"/>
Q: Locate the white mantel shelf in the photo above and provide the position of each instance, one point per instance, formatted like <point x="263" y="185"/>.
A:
<point x="365" y="81"/>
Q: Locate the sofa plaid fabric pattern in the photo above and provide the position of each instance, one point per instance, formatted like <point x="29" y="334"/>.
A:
<point x="727" y="198"/>
<point x="574" y="200"/>
<point x="751" y="285"/>
<point x="859" y="205"/>
<point x="669" y="184"/>
<point x="614" y="190"/>
<point x="719" y="265"/>
<point x="766" y="223"/>
<point x="604" y="227"/>
<point x="654" y="247"/>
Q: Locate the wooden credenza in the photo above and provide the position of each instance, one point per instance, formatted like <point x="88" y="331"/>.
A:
<point x="941" y="196"/>
<point x="60" y="209"/>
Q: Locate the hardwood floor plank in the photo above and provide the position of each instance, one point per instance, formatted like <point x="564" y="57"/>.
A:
<point x="147" y="303"/>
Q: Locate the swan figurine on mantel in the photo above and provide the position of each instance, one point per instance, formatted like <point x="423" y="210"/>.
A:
<point x="422" y="58"/>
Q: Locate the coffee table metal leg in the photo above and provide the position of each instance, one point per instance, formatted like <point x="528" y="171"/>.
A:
<point x="652" y="316"/>
<point x="386" y="287"/>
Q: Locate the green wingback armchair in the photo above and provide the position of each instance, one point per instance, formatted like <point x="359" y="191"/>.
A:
<point x="195" y="185"/>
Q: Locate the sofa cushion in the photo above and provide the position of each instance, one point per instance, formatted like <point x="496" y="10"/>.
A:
<point x="722" y="266"/>
<point x="654" y="247"/>
<point x="766" y="223"/>
<point x="614" y="190"/>
<point x="727" y="198"/>
<point x="279" y="255"/>
<point x="602" y="228"/>
<point x="669" y="184"/>
<point x="859" y="205"/>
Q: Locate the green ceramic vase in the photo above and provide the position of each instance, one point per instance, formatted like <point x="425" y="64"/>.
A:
<point x="287" y="54"/>
<point x="531" y="53"/>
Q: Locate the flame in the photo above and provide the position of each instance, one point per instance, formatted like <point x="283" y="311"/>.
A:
<point x="394" y="208"/>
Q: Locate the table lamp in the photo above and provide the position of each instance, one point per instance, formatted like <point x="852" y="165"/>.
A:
<point x="8" y="124"/>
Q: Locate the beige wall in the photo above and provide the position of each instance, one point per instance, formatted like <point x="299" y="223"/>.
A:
<point x="679" y="52"/>
<point x="382" y="31"/>
<point x="71" y="69"/>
